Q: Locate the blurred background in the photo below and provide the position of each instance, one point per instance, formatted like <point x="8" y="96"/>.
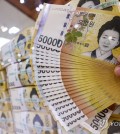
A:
<point x="15" y="15"/>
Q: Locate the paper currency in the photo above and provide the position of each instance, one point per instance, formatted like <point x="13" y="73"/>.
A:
<point x="55" y="40"/>
<point x="13" y="76"/>
<point x="76" y="130"/>
<point x="3" y="82"/>
<point x="5" y="102"/>
<point x="23" y="44"/>
<point x="21" y="74"/>
<point x="117" y="111"/>
<point x="97" y="123"/>
<point x="80" y="39"/>
<point x="6" y="121"/>
<point x="26" y="98"/>
<point x="34" y="123"/>
<point x="7" y="54"/>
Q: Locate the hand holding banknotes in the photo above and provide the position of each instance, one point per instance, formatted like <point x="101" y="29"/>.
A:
<point x="117" y="69"/>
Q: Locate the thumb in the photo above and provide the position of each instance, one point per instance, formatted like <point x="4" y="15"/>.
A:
<point x="117" y="70"/>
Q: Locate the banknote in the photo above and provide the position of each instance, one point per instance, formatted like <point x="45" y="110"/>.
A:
<point x="117" y="110"/>
<point x="20" y="74"/>
<point x="3" y="80"/>
<point x="5" y="102"/>
<point x="77" y="130"/>
<point x="6" y="121"/>
<point x="34" y="122"/>
<point x="7" y="54"/>
<point x="26" y="72"/>
<point x="23" y="44"/>
<point x="97" y="123"/>
<point x="89" y="42"/>
<point x="12" y="76"/>
<point x="110" y="5"/>
<point x="1" y="62"/>
<point x="4" y="131"/>
<point x="26" y="98"/>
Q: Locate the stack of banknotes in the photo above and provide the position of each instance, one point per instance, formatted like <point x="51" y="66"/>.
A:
<point x="75" y="52"/>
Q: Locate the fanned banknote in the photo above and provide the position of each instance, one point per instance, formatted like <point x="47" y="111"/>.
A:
<point x="69" y="79"/>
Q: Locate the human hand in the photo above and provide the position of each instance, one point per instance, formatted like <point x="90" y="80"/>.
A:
<point x="117" y="68"/>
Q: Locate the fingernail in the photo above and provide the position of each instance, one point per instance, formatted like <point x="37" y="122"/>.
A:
<point x="117" y="71"/>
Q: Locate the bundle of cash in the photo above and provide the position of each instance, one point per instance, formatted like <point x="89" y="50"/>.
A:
<point x="20" y="74"/>
<point x="74" y="61"/>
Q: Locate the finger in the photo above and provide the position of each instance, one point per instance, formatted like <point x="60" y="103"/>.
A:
<point x="117" y="70"/>
<point x="118" y="58"/>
